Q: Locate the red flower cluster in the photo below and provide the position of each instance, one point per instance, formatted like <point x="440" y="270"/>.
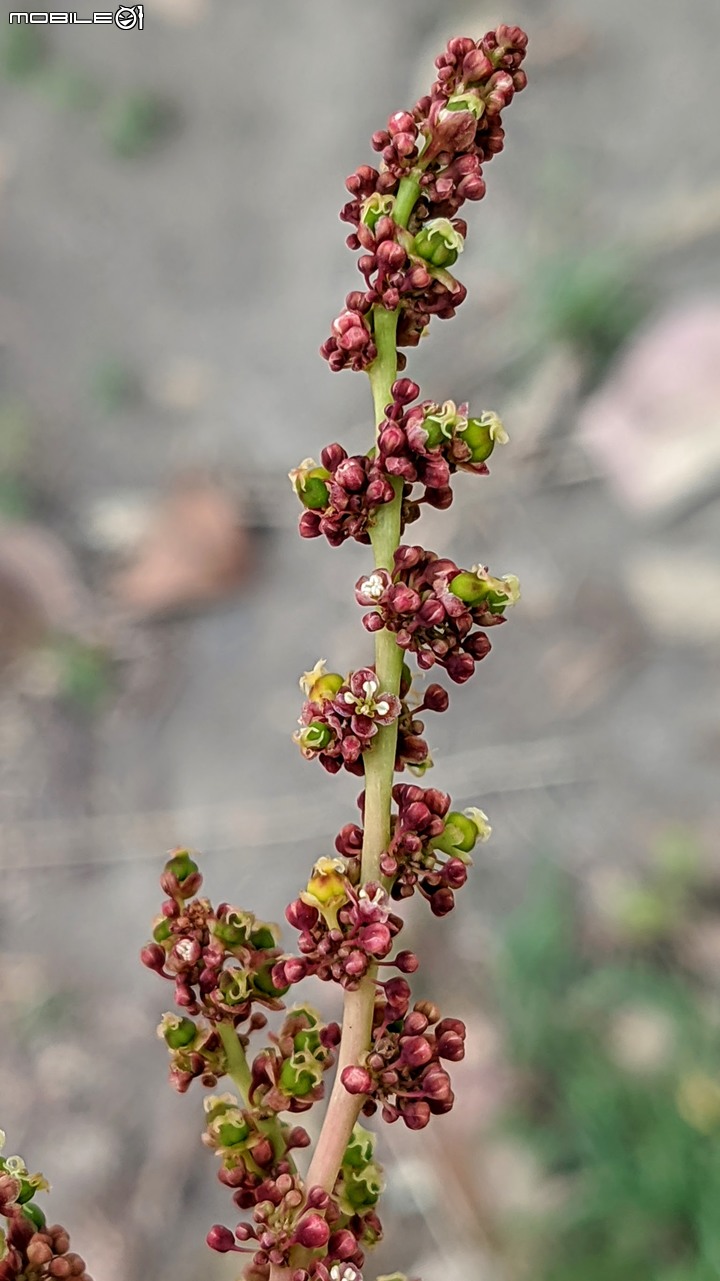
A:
<point x="220" y="961"/>
<point x="287" y="1075"/>
<point x="30" y="1250"/>
<point x="340" y="496"/>
<point x="38" y="1254"/>
<point x="432" y="606"/>
<point x="426" y="443"/>
<point x="287" y="1218"/>
<point x="239" y="1137"/>
<point x="429" y="848"/>
<point x="402" y="1072"/>
<point x="340" y="718"/>
<point x="343" y="931"/>
<point x="440" y="146"/>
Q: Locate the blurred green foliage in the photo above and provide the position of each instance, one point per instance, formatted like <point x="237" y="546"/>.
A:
<point x="84" y="673"/>
<point x="134" y="123"/>
<point x="24" y="51"/>
<point x="114" y="385"/>
<point x="594" y="302"/>
<point x="131" y="123"/>
<point x="15" y="443"/>
<point x="618" y="1054"/>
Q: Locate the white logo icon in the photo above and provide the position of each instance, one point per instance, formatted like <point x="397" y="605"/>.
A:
<point x="127" y="17"/>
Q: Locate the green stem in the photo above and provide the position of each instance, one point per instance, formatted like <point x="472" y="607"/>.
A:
<point x="238" y="1069"/>
<point x="343" y="1108"/>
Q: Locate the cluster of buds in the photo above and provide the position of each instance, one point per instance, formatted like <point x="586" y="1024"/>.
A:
<point x="402" y="1072"/>
<point x="30" y="1249"/>
<point x="340" y="496"/>
<point x="433" y="607"/>
<point x="341" y="717"/>
<point x="288" y="1075"/>
<point x="426" y="443"/>
<point x="440" y="147"/>
<point x="341" y="1224"/>
<point x="219" y="959"/>
<point x="417" y="445"/>
<point x="220" y="962"/>
<point x="242" y="1138"/>
<point x="313" y="1221"/>
<point x="344" y="931"/>
<point x="430" y="846"/>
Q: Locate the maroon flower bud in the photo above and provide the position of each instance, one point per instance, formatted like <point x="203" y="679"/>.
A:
<point x="356" y="964"/>
<point x="404" y="600"/>
<point x="416" y="1022"/>
<point x="39" y="1253"/>
<point x="342" y="1245"/>
<point x="391" y="439"/>
<point x="302" y="916"/>
<point x="404" y="390"/>
<point x="397" y="994"/>
<point x="401" y="122"/>
<point x="407" y="962"/>
<point x="416" y="1114"/>
<point x="432" y="613"/>
<point x="436" y="1083"/>
<point x="415" y="1051"/>
<point x="450" y="1044"/>
<point x="312" y="1232"/>
<point x="442" y="901"/>
<point x="263" y="1153"/>
<point x="478" y="645"/>
<point x="460" y="667"/>
<point x="356" y="1080"/>
<point x="373" y="622"/>
<point x="297" y="1138"/>
<point x="221" y="1239"/>
<point x="154" y="957"/>
<point x="436" y="699"/>
<point x="318" y="1198"/>
<point x="476" y="66"/>
<point x="351" y="474"/>
<point x="390" y="255"/>
<point x="376" y="939"/>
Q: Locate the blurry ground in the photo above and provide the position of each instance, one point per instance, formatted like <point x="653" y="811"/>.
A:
<point x="171" y="259"/>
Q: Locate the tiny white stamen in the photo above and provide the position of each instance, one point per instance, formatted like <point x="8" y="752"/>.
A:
<point x="373" y="587"/>
<point x="370" y="688"/>
<point x="382" y="708"/>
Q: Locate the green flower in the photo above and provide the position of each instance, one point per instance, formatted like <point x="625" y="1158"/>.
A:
<point x="177" y="1032"/>
<point x="309" y="482"/>
<point x="438" y="243"/>
<point x="482" y="434"/>
<point x="375" y="207"/>
<point x="327" y="889"/>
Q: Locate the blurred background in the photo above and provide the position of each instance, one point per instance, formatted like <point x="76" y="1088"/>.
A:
<point x="170" y="261"/>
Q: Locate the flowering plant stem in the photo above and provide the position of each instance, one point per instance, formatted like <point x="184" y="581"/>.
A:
<point x="228" y="967"/>
<point x="343" y="1108"/>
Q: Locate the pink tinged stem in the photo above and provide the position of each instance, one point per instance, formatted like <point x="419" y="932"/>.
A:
<point x="343" y="1108"/>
